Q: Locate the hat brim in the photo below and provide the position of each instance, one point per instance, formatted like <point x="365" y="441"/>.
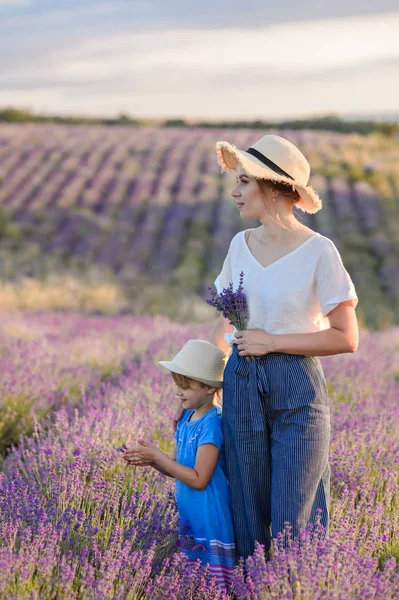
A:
<point x="171" y="366"/>
<point x="229" y="157"/>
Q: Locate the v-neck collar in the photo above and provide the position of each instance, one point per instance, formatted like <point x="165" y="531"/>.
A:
<point x="282" y="257"/>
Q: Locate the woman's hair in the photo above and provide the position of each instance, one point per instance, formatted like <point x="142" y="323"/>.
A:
<point x="283" y="189"/>
<point x="183" y="382"/>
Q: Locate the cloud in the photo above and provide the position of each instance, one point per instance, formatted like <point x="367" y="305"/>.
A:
<point x="70" y="16"/>
<point x="14" y="3"/>
<point x="342" y="65"/>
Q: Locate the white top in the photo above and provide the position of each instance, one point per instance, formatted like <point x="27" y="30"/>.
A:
<point x="296" y="292"/>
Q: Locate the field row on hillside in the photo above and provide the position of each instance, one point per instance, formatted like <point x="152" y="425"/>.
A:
<point x="150" y="206"/>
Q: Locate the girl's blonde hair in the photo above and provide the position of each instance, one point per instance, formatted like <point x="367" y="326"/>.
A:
<point x="183" y="382"/>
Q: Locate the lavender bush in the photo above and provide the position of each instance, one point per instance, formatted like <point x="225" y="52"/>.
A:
<point x="76" y="523"/>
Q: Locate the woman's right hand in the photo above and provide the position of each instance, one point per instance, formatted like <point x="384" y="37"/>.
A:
<point x="177" y="416"/>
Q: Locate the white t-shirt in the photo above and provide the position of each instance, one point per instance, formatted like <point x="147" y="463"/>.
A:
<point x="296" y="292"/>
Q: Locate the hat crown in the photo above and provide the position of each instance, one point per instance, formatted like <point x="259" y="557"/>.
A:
<point x="200" y="360"/>
<point x="285" y="155"/>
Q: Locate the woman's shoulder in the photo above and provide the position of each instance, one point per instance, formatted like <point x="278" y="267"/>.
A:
<point x="240" y="237"/>
<point x="235" y="243"/>
<point x="323" y="241"/>
<point x="326" y="243"/>
<point x="326" y="254"/>
<point x="322" y="251"/>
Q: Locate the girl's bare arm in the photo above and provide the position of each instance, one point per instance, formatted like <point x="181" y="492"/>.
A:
<point x="197" y="478"/>
<point x="162" y="470"/>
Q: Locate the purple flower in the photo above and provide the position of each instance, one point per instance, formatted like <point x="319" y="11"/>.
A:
<point x="122" y="448"/>
<point x="232" y="304"/>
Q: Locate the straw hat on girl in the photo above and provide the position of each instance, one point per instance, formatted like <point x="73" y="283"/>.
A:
<point x="276" y="159"/>
<point x="200" y="360"/>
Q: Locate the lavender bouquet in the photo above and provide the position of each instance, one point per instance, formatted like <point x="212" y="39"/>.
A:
<point x="232" y="304"/>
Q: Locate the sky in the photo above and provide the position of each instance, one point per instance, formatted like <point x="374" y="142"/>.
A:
<point x="218" y="59"/>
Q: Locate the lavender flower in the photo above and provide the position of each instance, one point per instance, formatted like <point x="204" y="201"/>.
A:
<point x="232" y="304"/>
<point x="75" y="523"/>
<point x="122" y="448"/>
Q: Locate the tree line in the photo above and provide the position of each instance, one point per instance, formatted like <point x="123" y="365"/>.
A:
<point x="326" y="123"/>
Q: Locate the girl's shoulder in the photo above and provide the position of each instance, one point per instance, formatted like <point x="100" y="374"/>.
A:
<point x="210" y="428"/>
<point x="213" y="418"/>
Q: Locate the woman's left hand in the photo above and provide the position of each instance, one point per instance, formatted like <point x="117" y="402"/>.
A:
<point x="255" y="342"/>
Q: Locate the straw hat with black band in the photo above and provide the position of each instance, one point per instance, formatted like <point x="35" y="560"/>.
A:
<point x="276" y="159"/>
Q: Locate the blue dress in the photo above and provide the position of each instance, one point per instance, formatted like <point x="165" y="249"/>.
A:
<point x="205" y="521"/>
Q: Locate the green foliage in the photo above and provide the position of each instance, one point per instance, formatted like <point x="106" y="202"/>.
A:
<point x="329" y="122"/>
<point x="323" y="123"/>
<point x="15" y="115"/>
<point x="174" y="123"/>
<point x="15" y="420"/>
<point x="341" y="394"/>
<point x="9" y="230"/>
<point x="105" y="370"/>
<point x="391" y="550"/>
<point x="164" y="444"/>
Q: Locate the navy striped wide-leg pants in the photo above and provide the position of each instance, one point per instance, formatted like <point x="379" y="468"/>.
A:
<point x="276" y="425"/>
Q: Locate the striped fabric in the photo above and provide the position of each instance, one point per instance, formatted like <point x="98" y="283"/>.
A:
<point x="223" y="575"/>
<point x="276" y="425"/>
<point x="220" y="557"/>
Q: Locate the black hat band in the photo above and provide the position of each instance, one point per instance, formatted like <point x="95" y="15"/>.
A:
<point x="269" y="163"/>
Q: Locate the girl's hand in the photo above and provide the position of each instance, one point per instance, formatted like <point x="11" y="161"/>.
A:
<point x="136" y="461"/>
<point x="255" y="342"/>
<point x="143" y="455"/>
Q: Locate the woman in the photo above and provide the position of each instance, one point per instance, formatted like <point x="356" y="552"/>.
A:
<point x="276" y="418"/>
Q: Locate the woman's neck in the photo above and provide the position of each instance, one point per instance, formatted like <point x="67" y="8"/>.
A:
<point x="276" y="232"/>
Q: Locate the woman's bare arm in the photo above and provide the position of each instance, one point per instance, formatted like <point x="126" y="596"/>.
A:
<point x="221" y="327"/>
<point x="341" y="337"/>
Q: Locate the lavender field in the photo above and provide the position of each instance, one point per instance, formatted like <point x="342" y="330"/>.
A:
<point x="75" y="523"/>
<point x="103" y="232"/>
<point x="146" y="212"/>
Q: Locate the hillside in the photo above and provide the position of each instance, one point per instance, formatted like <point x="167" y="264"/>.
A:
<point x="148" y="209"/>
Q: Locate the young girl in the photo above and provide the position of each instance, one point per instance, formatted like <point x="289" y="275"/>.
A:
<point x="198" y="463"/>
